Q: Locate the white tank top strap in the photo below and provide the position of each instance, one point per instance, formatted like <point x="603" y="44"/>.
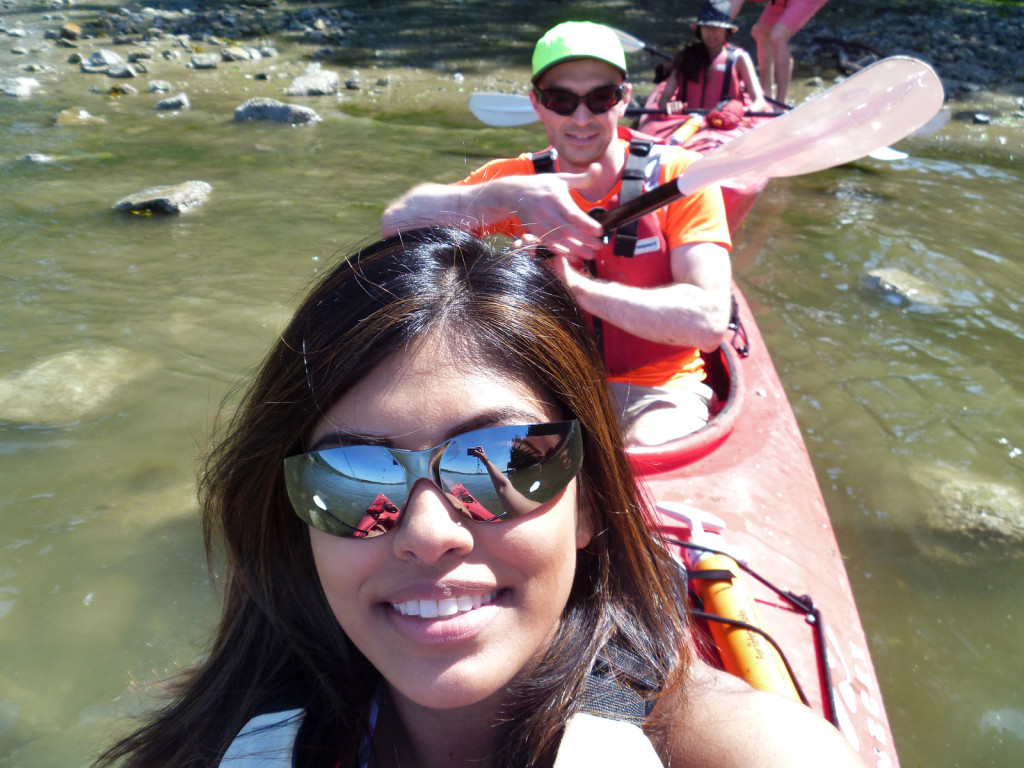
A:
<point x="266" y="741"/>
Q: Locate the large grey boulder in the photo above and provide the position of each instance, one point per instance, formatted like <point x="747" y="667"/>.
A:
<point x="178" y="102"/>
<point x="102" y="61"/>
<point x="317" y="83"/>
<point x="177" y="198"/>
<point x="261" y="108"/>
<point x="204" y="61"/>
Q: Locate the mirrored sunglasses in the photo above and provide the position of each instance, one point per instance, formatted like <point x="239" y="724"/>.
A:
<point x="490" y="474"/>
<point x="564" y="103"/>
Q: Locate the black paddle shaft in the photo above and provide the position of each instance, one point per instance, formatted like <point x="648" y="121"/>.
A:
<point x="639" y="206"/>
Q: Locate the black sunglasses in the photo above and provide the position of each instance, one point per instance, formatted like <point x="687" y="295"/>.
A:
<point x="564" y="103"/>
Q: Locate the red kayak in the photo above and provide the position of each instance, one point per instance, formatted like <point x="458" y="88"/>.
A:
<point x="744" y="485"/>
<point x="693" y="132"/>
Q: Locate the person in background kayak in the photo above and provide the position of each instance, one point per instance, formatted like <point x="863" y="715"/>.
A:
<point x="779" y="21"/>
<point x="661" y="293"/>
<point x="711" y="70"/>
<point x="553" y="634"/>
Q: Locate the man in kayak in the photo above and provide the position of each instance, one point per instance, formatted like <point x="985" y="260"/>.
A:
<point x="711" y="70"/>
<point x="658" y="294"/>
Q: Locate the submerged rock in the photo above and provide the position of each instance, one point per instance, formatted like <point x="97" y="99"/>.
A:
<point x="70" y="387"/>
<point x="901" y="288"/>
<point x="967" y="519"/>
<point x="19" y="87"/>
<point x="270" y="109"/>
<point x="177" y="198"/>
<point x="78" y="116"/>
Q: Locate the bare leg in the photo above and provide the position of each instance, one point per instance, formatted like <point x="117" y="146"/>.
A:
<point x="783" y="59"/>
<point x="765" y="58"/>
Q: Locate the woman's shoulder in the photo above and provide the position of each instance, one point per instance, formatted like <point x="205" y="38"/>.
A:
<point x="714" y="718"/>
<point x="266" y="741"/>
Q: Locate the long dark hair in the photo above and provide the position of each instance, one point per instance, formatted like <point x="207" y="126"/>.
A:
<point x="278" y="644"/>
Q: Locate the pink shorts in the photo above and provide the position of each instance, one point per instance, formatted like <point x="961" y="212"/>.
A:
<point x="793" y="13"/>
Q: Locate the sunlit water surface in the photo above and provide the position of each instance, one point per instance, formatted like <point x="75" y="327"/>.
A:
<point x="102" y="581"/>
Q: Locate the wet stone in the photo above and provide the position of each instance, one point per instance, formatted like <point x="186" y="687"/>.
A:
<point x="178" y="102"/>
<point x="270" y="109"/>
<point x="176" y="198"/>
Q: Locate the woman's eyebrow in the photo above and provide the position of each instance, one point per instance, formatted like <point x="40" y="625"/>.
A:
<point x="341" y="437"/>
<point x="505" y="415"/>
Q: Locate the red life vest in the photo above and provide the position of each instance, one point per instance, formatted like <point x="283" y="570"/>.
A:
<point x="637" y="256"/>
<point x="724" y="82"/>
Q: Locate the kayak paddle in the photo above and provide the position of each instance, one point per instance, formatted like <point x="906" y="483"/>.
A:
<point x="632" y="44"/>
<point x="877" y="106"/>
<point x="504" y="110"/>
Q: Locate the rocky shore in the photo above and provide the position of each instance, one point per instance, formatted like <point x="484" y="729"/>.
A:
<point x="977" y="48"/>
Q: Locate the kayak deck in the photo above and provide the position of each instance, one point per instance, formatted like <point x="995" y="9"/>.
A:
<point x="750" y="469"/>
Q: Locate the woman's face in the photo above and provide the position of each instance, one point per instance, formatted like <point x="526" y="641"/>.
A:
<point x="714" y="37"/>
<point x="514" y="577"/>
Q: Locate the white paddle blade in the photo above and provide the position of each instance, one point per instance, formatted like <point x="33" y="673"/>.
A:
<point x="502" y="109"/>
<point x="879" y="105"/>
<point x="888" y="155"/>
<point x="630" y="43"/>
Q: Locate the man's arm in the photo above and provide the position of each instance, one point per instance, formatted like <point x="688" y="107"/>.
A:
<point x="542" y="203"/>
<point x="693" y="311"/>
<point x="427" y="204"/>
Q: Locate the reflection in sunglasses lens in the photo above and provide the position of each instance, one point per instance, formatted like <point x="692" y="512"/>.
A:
<point x="489" y="474"/>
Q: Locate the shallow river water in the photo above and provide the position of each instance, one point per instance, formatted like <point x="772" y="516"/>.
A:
<point x="121" y="335"/>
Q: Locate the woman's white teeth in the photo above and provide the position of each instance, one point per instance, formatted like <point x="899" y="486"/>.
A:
<point x="449" y="606"/>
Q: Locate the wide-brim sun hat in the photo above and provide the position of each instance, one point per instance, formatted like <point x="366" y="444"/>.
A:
<point x="577" y="40"/>
<point x="714" y="13"/>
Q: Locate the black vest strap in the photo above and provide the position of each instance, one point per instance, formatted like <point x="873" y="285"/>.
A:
<point x="544" y="162"/>
<point x="632" y="186"/>
<point x="730" y="60"/>
<point x="619" y="687"/>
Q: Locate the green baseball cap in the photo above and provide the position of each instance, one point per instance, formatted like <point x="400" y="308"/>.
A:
<point x="577" y="40"/>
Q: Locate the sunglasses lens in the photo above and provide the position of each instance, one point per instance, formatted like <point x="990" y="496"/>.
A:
<point x="560" y="102"/>
<point x="564" y="103"/>
<point x="603" y="99"/>
<point x="510" y="471"/>
<point x="351" y="491"/>
<point x="496" y="473"/>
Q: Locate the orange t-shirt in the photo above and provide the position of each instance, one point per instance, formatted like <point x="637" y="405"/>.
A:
<point x="696" y="218"/>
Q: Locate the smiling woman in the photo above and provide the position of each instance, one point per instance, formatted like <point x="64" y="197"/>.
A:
<point x="436" y="553"/>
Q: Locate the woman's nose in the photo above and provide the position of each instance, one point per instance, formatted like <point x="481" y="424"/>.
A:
<point x="431" y="528"/>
